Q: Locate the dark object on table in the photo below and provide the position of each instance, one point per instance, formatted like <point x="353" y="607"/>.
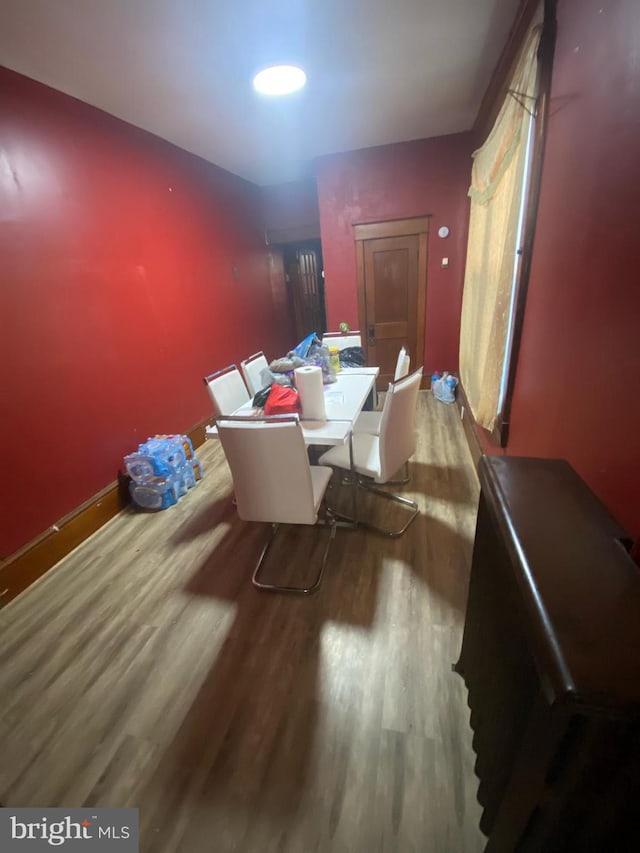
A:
<point x="352" y="357"/>
<point x="261" y="397"/>
<point x="550" y="659"/>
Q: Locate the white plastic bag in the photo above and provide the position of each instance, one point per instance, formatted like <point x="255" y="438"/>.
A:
<point x="444" y="389"/>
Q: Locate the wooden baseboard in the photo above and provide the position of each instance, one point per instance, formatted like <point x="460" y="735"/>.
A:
<point x="30" y="562"/>
<point x="468" y="423"/>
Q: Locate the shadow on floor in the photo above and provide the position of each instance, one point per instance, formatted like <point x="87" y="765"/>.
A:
<point x="245" y="749"/>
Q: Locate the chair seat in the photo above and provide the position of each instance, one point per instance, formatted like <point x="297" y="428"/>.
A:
<point x="366" y="456"/>
<point x="368" y="422"/>
<point x="320" y="476"/>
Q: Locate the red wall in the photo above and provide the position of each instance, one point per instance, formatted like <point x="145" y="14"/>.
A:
<point x="429" y="176"/>
<point x="576" y="393"/>
<point x="117" y="296"/>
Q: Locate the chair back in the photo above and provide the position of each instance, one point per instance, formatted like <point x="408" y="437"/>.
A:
<point x="342" y="340"/>
<point x="227" y="390"/>
<point x="270" y="468"/>
<point x="252" y="369"/>
<point x="398" y="424"/>
<point x="402" y="364"/>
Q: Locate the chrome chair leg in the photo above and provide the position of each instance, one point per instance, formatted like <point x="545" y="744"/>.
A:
<point x="338" y="519"/>
<point x="370" y="487"/>
<point x="330" y="521"/>
<point x="391" y="496"/>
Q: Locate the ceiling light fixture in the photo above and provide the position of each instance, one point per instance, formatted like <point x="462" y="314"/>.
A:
<point x="279" y="80"/>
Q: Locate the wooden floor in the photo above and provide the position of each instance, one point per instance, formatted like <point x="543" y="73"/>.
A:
<point x="145" y="670"/>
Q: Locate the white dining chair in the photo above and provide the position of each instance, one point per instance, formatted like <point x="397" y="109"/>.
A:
<point x="227" y="390"/>
<point x="376" y="458"/>
<point x="252" y="368"/>
<point x="342" y="340"/>
<point x="370" y="421"/>
<point x="274" y="482"/>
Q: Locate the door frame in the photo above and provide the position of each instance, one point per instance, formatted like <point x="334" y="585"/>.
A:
<point x="410" y="227"/>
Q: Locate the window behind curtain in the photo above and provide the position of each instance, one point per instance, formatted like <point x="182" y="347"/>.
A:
<point x="498" y="181"/>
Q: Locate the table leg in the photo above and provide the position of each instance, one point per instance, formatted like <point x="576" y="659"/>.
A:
<point x="354" y="489"/>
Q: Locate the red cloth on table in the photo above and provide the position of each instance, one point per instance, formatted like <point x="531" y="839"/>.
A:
<point x="282" y="400"/>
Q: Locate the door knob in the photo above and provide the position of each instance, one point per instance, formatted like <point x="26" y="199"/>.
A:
<point x="371" y="332"/>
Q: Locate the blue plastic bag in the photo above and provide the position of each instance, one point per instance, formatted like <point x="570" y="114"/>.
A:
<point x="302" y="350"/>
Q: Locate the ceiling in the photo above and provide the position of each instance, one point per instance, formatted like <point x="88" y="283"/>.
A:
<point x="379" y="71"/>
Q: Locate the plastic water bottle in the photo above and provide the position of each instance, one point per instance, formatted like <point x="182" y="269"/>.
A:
<point x="451" y="383"/>
<point x="434" y="378"/>
<point x="158" y="493"/>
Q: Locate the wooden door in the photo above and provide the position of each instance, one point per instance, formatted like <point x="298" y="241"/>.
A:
<point x="392" y="271"/>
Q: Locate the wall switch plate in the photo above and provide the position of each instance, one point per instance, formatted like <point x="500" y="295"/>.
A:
<point x="444" y="263"/>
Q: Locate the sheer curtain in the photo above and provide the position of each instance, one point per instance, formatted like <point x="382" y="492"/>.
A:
<point x="496" y="192"/>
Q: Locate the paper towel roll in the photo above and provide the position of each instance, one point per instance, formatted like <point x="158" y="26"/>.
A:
<point x="311" y="391"/>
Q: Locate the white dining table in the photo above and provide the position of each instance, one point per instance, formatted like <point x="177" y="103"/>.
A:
<point x="343" y="399"/>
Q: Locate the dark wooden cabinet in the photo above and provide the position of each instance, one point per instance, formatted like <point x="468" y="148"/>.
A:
<point x="551" y="659"/>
